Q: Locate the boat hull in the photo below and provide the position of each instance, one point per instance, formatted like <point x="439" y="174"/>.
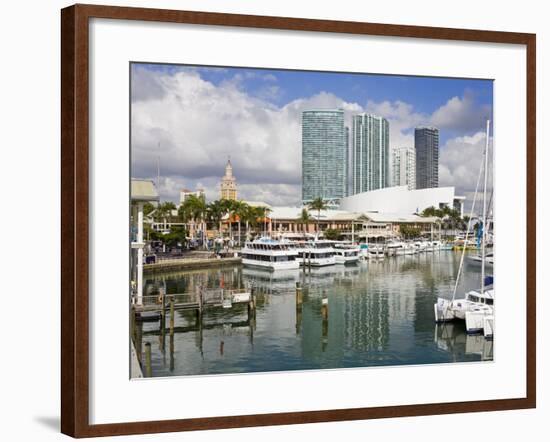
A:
<point x="317" y="262"/>
<point x="285" y="265"/>
<point x="346" y="259"/>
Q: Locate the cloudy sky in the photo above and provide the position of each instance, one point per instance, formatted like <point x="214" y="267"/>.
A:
<point x="193" y="118"/>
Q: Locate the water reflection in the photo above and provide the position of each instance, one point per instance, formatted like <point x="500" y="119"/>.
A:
<point x="375" y="313"/>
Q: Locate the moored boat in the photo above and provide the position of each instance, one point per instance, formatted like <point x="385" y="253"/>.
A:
<point x="269" y="253"/>
<point x="316" y="253"/>
<point x="346" y="253"/>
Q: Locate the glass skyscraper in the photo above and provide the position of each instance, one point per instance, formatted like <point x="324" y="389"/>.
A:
<point x="426" y="145"/>
<point x="404" y="167"/>
<point x="324" y="155"/>
<point x="371" y="146"/>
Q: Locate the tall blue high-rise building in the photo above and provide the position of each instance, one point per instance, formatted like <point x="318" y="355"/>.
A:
<point x="426" y="145"/>
<point x="370" y="151"/>
<point x="324" y="155"/>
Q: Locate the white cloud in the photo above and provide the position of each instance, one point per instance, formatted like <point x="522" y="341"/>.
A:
<point x="461" y="114"/>
<point x="459" y="165"/>
<point x="199" y="124"/>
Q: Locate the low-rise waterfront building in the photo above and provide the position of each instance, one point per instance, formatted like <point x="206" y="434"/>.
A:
<point x="400" y="199"/>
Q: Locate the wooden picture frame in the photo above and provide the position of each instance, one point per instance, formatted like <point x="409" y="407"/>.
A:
<point x="75" y="219"/>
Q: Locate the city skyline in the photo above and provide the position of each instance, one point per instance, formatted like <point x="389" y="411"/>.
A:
<point x="199" y="116"/>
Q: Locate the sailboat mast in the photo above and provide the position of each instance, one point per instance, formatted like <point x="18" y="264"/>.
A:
<point x="484" y="216"/>
<point x="158" y="167"/>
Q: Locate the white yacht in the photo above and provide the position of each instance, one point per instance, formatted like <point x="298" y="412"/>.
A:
<point x="477" y="307"/>
<point x="316" y="253"/>
<point x="475" y="260"/>
<point x="375" y="251"/>
<point x="400" y="248"/>
<point x="346" y="253"/>
<point x="472" y="309"/>
<point x="270" y="254"/>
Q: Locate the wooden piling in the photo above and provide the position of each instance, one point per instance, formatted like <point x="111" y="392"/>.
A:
<point x="172" y="315"/>
<point x="133" y="324"/>
<point x="148" y="368"/>
<point x="163" y="302"/>
<point x="299" y="295"/>
<point x="324" y="326"/>
<point x="172" y="351"/>
<point x="324" y="308"/>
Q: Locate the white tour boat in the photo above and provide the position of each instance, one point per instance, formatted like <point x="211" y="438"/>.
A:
<point x="346" y="253"/>
<point x="270" y="254"/>
<point x="316" y="253"/>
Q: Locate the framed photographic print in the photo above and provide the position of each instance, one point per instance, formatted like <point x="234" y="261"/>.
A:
<point x="290" y="220"/>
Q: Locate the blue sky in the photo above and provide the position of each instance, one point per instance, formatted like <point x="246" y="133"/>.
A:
<point x="212" y="112"/>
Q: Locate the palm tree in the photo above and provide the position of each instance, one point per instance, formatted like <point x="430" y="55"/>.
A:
<point x="263" y="213"/>
<point x="164" y="212"/>
<point x="253" y="215"/>
<point x="194" y="208"/>
<point x="317" y="204"/>
<point x="228" y="209"/>
<point x="304" y="219"/>
<point x="215" y="211"/>
<point x="239" y="210"/>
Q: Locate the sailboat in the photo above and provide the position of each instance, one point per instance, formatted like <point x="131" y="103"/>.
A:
<point x="476" y="308"/>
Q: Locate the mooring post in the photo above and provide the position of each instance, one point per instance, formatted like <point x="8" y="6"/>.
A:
<point x="299" y="295"/>
<point x="133" y="324"/>
<point x="324" y="307"/>
<point x="324" y="314"/>
<point x="251" y="311"/>
<point x="172" y="315"/>
<point x="172" y="351"/>
<point x="162" y="301"/>
<point x="148" y="368"/>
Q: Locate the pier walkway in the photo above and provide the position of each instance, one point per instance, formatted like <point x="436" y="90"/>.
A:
<point x="198" y="301"/>
<point x="189" y="264"/>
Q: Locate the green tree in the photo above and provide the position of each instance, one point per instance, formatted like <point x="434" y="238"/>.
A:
<point x="177" y="236"/>
<point x="239" y="210"/>
<point x="215" y="211"/>
<point x="148" y="208"/>
<point x="253" y="216"/>
<point x="304" y="219"/>
<point x="332" y="234"/>
<point x="408" y="232"/>
<point x="193" y="210"/>
<point x="317" y="204"/>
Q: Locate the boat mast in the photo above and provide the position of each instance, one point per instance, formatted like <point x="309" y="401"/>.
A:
<point x="484" y="216"/>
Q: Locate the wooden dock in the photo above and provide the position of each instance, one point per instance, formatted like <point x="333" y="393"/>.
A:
<point x="190" y="264"/>
<point x="198" y="301"/>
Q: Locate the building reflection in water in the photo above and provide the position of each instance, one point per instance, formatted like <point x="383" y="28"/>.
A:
<point x="377" y="313"/>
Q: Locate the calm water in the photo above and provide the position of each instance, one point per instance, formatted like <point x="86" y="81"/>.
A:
<point x="380" y="313"/>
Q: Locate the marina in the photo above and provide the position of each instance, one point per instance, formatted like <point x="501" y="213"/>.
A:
<point x="372" y="313"/>
<point x="342" y="247"/>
